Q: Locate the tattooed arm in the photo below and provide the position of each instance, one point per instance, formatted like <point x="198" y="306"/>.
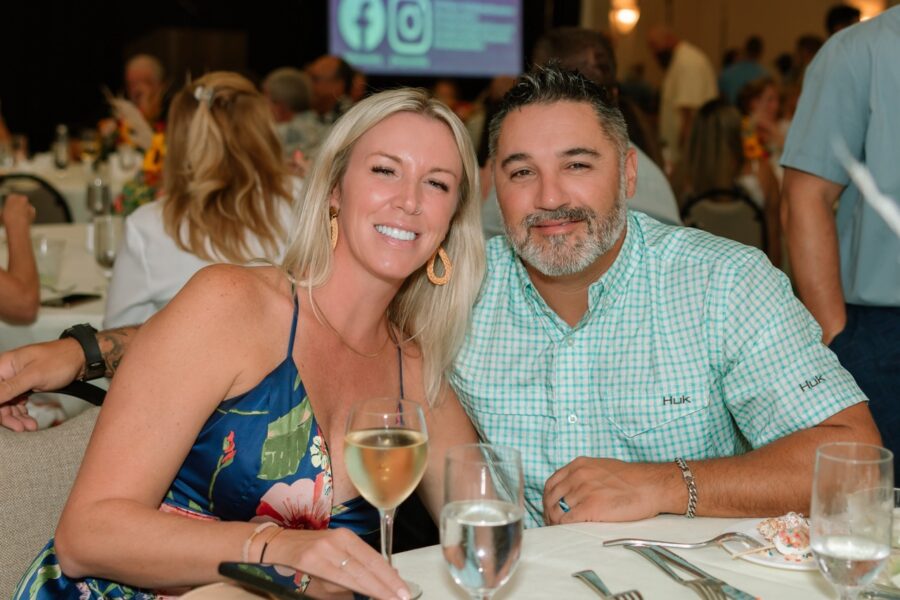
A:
<point x="50" y="366"/>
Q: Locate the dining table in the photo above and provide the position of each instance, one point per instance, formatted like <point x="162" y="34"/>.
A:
<point x="550" y="555"/>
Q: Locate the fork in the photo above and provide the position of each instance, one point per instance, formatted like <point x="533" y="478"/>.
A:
<point x="593" y="581"/>
<point x="716" y="541"/>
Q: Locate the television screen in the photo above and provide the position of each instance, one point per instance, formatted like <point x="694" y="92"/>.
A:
<point x="475" y="38"/>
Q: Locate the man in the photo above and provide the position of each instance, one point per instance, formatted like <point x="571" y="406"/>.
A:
<point x="332" y="80"/>
<point x="288" y="92"/>
<point x="847" y="267"/>
<point x="20" y="290"/>
<point x="841" y="16"/>
<point x="145" y="86"/>
<point x="743" y="71"/>
<point x="591" y="53"/>
<point x="606" y="334"/>
<point x="688" y="84"/>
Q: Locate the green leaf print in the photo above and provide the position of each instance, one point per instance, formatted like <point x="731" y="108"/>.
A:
<point x="286" y="444"/>
<point x="45" y="574"/>
<point x="297" y="382"/>
<point x="32" y="569"/>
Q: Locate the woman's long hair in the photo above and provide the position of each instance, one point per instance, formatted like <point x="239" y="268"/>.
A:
<point x="436" y="317"/>
<point x="224" y="176"/>
<point x="715" y="152"/>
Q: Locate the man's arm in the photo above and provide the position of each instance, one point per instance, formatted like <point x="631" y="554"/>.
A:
<point x="19" y="285"/>
<point x="50" y="366"/>
<point x="770" y="480"/>
<point x="808" y="221"/>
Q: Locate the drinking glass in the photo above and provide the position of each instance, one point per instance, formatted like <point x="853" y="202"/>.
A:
<point x="850" y="518"/>
<point x="385" y="451"/>
<point x="107" y="237"/>
<point x="481" y="522"/>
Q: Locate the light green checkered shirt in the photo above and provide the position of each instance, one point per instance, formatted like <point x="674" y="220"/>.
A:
<point x="692" y="346"/>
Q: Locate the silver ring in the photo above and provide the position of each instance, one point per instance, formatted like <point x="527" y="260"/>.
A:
<point x="345" y="562"/>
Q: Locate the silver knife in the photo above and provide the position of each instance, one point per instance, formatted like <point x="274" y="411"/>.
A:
<point x="728" y="590"/>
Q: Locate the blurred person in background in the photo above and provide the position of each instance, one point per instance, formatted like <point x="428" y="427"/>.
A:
<point x="841" y="16"/>
<point x="288" y="91"/>
<point x="145" y="86"/>
<point x="760" y="104"/>
<point x="19" y="283"/>
<point x="734" y="77"/>
<point x="718" y="157"/>
<point x="689" y="82"/>
<point x="226" y="197"/>
<point x="332" y="81"/>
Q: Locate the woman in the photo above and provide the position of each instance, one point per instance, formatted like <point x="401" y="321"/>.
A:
<point x="237" y="434"/>
<point x="760" y="104"/>
<point x="716" y="159"/>
<point x="227" y="197"/>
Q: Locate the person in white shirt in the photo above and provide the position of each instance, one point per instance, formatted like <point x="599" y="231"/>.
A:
<point x="226" y="198"/>
<point x="689" y="82"/>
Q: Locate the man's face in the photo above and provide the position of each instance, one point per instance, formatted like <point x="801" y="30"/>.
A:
<point x="327" y="87"/>
<point x="143" y="87"/>
<point x="560" y="187"/>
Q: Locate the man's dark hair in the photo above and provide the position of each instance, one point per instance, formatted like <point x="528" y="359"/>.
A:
<point x="840" y="16"/>
<point x="753" y="47"/>
<point x="551" y="84"/>
<point x="562" y="44"/>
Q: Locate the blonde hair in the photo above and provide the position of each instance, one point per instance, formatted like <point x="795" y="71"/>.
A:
<point x="224" y="176"/>
<point x="715" y="151"/>
<point x="436" y="317"/>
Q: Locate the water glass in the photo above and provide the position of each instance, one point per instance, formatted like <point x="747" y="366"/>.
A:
<point x="48" y="254"/>
<point x="107" y="238"/>
<point x="481" y="521"/>
<point x="851" y="513"/>
<point x="386" y="451"/>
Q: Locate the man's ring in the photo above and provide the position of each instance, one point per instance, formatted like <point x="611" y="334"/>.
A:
<point x="564" y="505"/>
<point x="345" y="562"/>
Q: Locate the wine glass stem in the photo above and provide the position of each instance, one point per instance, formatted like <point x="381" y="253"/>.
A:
<point x="387" y="533"/>
<point x="849" y="593"/>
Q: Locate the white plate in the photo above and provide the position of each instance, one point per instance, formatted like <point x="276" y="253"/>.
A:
<point x="769" y="558"/>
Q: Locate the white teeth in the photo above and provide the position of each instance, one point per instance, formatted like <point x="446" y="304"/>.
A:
<point x="397" y="234"/>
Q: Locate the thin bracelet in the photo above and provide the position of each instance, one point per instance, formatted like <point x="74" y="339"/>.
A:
<point x="245" y="551"/>
<point x="262" y="554"/>
<point x="691" y="486"/>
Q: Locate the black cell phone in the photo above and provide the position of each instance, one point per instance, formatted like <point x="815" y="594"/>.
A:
<point x="254" y="577"/>
<point x="70" y="300"/>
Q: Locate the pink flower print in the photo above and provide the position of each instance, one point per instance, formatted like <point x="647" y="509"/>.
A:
<point x="304" y="504"/>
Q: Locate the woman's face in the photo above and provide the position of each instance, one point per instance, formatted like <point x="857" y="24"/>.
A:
<point x="397" y="196"/>
<point x="767" y="103"/>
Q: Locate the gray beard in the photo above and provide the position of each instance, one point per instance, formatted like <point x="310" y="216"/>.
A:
<point x="565" y="254"/>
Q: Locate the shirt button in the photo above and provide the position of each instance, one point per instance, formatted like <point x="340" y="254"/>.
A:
<point x="570" y="342"/>
<point x="573" y="418"/>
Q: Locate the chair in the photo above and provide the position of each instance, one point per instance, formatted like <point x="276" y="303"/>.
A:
<point x="727" y="213"/>
<point x="49" y="204"/>
<point x="38" y="471"/>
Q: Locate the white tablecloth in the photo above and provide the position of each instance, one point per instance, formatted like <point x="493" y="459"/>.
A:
<point x="78" y="269"/>
<point x="551" y="554"/>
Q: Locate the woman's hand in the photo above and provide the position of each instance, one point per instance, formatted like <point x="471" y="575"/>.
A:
<point x="339" y="556"/>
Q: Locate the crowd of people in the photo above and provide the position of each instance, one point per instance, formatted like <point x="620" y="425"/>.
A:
<point x="569" y="336"/>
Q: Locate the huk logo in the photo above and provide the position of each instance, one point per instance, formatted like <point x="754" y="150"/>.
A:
<point x="673" y="400"/>
<point x="808" y="385"/>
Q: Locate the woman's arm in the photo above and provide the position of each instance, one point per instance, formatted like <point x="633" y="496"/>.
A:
<point x="448" y="426"/>
<point x="19" y="285"/>
<point x="185" y="361"/>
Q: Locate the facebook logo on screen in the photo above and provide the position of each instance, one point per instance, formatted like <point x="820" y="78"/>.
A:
<point x="362" y="23"/>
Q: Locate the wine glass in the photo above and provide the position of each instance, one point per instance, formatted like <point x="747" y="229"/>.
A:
<point x="107" y="237"/>
<point x="850" y="518"/>
<point x="481" y="522"/>
<point x="385" y="451"/>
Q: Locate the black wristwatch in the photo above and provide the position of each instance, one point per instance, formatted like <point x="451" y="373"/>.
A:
<point x="85" y="335"/>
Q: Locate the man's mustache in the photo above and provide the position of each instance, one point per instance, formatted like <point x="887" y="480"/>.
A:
<point x="563" y="213"/>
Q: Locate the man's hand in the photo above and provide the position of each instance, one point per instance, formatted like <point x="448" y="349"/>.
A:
<point x="604" y="489"/>
<point x="37" y="367"/>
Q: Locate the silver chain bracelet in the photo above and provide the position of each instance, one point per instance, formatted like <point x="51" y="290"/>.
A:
<point x="691" y="486"/>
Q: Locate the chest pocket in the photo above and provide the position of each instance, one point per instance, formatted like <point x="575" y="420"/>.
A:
<point x="659" y="407"/>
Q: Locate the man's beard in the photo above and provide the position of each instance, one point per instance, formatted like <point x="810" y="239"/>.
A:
<point x="567" y="254"/>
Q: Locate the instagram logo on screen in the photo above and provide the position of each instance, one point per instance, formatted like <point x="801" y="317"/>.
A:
<point x="410" y="26"/>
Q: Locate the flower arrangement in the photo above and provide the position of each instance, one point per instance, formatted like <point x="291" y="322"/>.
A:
<point x="144" y="186"/>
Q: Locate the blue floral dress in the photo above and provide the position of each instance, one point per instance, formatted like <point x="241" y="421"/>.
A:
<point x="260" y="457"/>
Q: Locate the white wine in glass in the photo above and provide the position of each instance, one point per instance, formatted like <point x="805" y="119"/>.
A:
<point x="385" y="451"/>
<point x="850" y="515"/>
<point x="481" y="522"/>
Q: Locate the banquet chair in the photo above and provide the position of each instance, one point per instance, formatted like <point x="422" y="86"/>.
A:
<point x="729" y="213"/>
<point x="48" y="202"/>
<point x="38" y="470"/>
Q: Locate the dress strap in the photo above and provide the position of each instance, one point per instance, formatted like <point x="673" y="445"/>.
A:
<point x="290" y="348"/>
<point x="400" y="359"/>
